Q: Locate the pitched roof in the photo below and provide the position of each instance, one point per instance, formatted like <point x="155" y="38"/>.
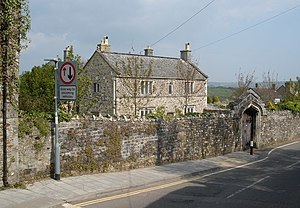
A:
<point x="162" y="67"/>
<point x="266" y="94"/>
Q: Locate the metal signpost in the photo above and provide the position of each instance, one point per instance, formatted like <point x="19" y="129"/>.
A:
<point x="65" y="89"/>
<point x="67" y="85"/>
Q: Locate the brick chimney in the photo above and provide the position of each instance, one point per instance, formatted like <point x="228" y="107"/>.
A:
<point x="104" y="45"/>
<point x="186" y="54"/>
<point x="148" y="51"/>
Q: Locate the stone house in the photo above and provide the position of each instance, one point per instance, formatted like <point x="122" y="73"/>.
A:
<point x="136" y="85"/>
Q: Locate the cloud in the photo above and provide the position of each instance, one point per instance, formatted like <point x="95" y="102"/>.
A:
<point x="43" y="46"/>
<point x="138" y="23"/>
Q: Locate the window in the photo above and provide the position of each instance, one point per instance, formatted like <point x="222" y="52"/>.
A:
<point x="96" y="87"/>
<point x="189" y="109"/>
<point x="170" y="88"/>
<point x="146" y="87"/>
<point x="189" y="87"/>
<point x="145" y="111"/>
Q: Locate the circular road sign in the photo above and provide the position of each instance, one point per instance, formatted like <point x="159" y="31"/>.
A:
<point x="67" y="73"/>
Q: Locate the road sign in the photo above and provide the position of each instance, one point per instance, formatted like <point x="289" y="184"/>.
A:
<point x="67" y="73"/>
<point x="67" y="92"/>
<point x="67" y="84"/>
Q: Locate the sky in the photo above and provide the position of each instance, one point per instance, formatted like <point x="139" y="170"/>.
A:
<point x="267" y="33"/>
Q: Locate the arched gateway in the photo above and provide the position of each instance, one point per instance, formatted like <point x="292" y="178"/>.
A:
<point x="248" y="109"/>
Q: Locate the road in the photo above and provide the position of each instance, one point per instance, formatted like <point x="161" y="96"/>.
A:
<point x="273" y="181"/>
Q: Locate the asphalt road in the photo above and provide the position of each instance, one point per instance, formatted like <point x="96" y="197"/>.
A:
<point x="273" y="182"/>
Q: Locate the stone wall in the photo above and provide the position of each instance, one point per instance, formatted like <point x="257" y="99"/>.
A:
<point x="279" y="127"/>
<point x="89" y="145"/>
<point x="101" y="145"/>
<point x="210" y="135"/>
<point x="12" y="144"/>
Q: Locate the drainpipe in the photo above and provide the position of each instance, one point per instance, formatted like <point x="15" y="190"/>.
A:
<point x="114" y="96"/>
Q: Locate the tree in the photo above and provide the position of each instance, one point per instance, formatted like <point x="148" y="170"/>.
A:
<point x="216" y="99"/>
<point x="37" y="89"/>
<point x="209" y="101"/>
<point x="187" y="72"/>
<point x="269" y="80"/>
<point x="83" y="82"/>
<point x="14" y="25"/>
<point x="136" y="88"/>
<point x="244" y="81"/>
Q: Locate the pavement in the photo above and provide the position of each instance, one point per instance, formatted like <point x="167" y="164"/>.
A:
<point x="52" y="193"/>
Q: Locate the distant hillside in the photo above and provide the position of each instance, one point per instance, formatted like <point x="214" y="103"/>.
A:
<point x="224" y="93"/>
<point x="222" y="84"/>
<point x="234" y="84"/>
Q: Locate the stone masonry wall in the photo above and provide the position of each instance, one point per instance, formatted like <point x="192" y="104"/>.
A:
<point x="12" y="144"/>
<point x="101" y="145"/>
<point x="278" y="127"/>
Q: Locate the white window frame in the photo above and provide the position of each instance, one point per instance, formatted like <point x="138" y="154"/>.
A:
<point x="145" y="111"/>
<point x="146" y="87"/>
<point x="189" y="87"/>
<point x="189" y="109"/>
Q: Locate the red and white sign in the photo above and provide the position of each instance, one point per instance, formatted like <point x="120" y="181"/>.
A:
<point x="67" y="73"/>
<point x="67" y="80"/>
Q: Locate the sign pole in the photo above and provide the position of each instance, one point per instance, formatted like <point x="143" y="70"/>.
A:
<point x="57" y="148"/>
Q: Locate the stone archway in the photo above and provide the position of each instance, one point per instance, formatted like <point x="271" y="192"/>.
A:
<point x="250" y="123"/>
<point x="249" y="109"/>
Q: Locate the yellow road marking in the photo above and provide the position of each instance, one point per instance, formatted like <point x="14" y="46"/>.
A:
<point x="174" y="183"/>
<point x="131" y="193"/>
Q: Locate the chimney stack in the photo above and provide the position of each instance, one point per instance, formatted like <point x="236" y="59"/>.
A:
<point x="104" y="45"/>
<point x="186" y="54"/>
<point x="67" y="52"/>
<point x="148" y="51"/>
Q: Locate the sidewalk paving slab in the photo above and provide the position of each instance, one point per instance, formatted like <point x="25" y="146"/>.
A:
<point x="52" y="193"/>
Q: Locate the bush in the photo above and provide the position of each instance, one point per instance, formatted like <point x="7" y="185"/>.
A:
<point x="216" y="99"/>
<point x="159" y="113"/>
<point x="293" y="106"/>
<point x="209" y="100"/>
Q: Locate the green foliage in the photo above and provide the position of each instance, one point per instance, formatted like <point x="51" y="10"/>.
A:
<point x="291" y="100"/>
<point x="30" y="119"/>
<point x="272" y="106"/>
<point x="195" y="114"/>
<point x="38" y="145"/>
<point x="37" y="89"/>
<point x="159" y="113"/>
<point x="209" y="100"/>
<point x="64" y="116"/>
<point x="114" y="143"/>
<point x="216" y="99"/>
<point x="178" y="112"/>
<point x="293" y="106"/>
<point x="19" y="185"/>
<point x="224" y="93"/>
